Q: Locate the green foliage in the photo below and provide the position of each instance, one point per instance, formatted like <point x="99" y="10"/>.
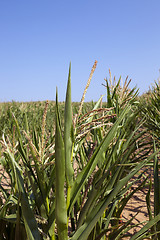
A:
<point x="68" y="175"/>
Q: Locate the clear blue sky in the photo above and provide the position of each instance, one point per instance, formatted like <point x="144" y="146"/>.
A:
<point x="38" y="39"/>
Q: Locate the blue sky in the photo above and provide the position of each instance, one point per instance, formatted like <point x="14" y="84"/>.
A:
<point x="38" y="39"/>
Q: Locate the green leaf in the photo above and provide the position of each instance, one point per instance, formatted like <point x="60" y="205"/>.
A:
<point x="61" y="211"/>
<point x="67" y="133"/>
<point x="27" y="213"/>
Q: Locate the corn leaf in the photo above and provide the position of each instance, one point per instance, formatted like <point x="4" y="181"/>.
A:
<point x="67" y="133"/>
<point x="61" y="211"/>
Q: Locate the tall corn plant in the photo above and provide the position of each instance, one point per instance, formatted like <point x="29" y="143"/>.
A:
<point x="100" y="184"/>
<point x="150" y="105"/>
<point x="119" y="94"/>
<point x="151" y="111"/>
<point x="80" y="190"/>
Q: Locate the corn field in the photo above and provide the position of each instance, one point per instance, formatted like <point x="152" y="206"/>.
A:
<point x="67" y="170"/>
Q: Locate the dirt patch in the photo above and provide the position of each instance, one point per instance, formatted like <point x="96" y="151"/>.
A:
<point x="138" y="205"/>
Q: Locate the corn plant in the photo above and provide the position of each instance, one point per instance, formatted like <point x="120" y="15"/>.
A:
<point x="150" y="109"/>
<point x="119" y="94"/>
<point x="87" y="182"/>
<point x="74" y="184"/>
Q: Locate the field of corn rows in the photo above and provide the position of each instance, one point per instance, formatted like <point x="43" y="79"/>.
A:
<point x="67" y="170"/>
